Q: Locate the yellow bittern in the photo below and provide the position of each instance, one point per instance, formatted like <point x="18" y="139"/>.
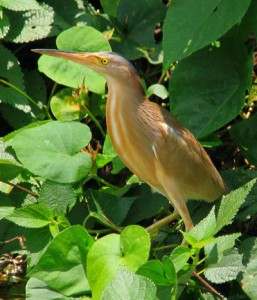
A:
<point x="150" y="141"/>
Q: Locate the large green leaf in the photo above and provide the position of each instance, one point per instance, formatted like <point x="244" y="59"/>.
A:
<point x="62" y="266"/>
<point x="84" y="39"/>
<point x="245" y="136"/>
<point x="206" y="98"/>
<point x="127" y="285"/>
<point x="52" y="150"/>
<point x="130" y="249"/>
<point x="190" y="26"/>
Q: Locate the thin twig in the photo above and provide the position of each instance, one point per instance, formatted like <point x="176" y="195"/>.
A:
<point x="20" y="238"/>
<point x="104" y="182"/>
<point x="111" y="224"/>
<point x="209" y="287"/>
<point x="20" y="187"/>
<point x="157" y="225"/>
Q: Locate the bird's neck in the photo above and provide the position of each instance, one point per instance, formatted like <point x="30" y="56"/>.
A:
<point x="125" y="93"/>
<point x="124" y="101"/>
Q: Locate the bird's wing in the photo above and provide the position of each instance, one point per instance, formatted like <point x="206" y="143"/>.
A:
<point x="185" y="160"/>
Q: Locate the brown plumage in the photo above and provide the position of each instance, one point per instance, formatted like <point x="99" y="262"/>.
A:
<point x="150" y="141"/>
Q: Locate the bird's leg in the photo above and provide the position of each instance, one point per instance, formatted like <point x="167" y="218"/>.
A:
<point x="179" y="203"/>
<point x="181" y="207"/>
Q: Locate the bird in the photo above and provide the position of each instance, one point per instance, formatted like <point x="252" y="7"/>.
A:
<point x="148" y="138"/>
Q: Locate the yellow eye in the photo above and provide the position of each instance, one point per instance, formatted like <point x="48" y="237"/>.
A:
<point x="104" y="61"/>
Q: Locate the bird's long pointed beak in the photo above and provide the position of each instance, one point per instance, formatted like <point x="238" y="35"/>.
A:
<point x="84" y="58"/>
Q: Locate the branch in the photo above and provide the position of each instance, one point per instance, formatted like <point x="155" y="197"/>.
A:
<point x="21" y="188"/>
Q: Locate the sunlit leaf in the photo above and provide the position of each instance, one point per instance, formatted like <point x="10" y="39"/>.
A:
<point x="32" y="216"/>
<point x="130" y="249"/>
<point x="127" y="285"/>
<point x="62" y="266"/>
<point x="52" y="150"/>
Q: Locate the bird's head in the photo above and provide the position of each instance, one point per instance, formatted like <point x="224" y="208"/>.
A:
<point x="109" y="64"/>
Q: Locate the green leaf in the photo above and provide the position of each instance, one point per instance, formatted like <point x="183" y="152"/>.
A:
<point x="12" y="134"/>
<point x="110" y="7"/>
<point x="113" y="207"/>
<point x="245" y="136"/>
<point x="153" y="269"/>
<point x="109" y="155"/>
<point x="10" y="71"/>
<point x="85" y="39"/>
<point x="57" y="196"/>
<point x="249" y="277"/>
<point x="158" y="90"/>
<point x="217" y="249"/>
<point x="204" y="23"/>
<point x="141" y="17"/>
<point x="51" y="150"/>
<point x="148" y="204"/>
<point x="127" y="285"/>
<point x="4" y="24"/>
<point x="180" y="256"/>
<point x="62" y="266"/>
<point x="37" y="240"/>
<point x="130" y="249"/>
<point x="19" y="5"/>
<point x="230" y="204"/>
<point x="31" y="25"/>
<point x="225" y="270"/>
<point x="31" y="216"/>
<point x="9" y="169"/>
<point x="184" y="276"/>
<point x="135" y="18"/>
<point x="204" y="106"/>
<point x="163" y="275"/>
<point x="211" y="141"/>
<point x="37" y="289"/>
<point x="203" y="230"/>
<point x="6" y="211"/>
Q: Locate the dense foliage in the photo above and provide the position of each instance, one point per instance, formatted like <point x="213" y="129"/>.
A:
<point x="82" y="220"/>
